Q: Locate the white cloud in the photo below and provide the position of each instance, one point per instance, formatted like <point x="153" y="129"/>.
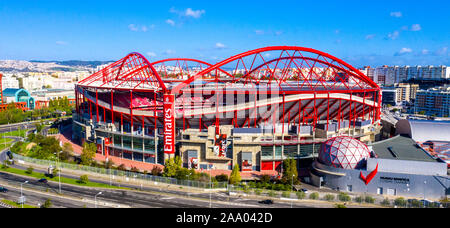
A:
<point x="396" y="14"/>
<point x="151" y="54"/>
<point x="143" y="28"/>
<point x="394" y="35"/>
<point x="425" y="52"/>
<point x="267" y="55"/>
<point x="170" y="22"/>
<point x="169" y="52"/>
<point x="370" y="36"/>
<point x="441" y="51"/>
<point x="277" y="33"/>
<point x="189" y="12"/>
<point x="220" y="46"/>
<point x="403" y="51"/>
<point x="133" y="27"/>
<point x="259" y="32"/>
<point x="194" y="13"/>
<point x="61" y="42"/>
<point x="416" y="27"/>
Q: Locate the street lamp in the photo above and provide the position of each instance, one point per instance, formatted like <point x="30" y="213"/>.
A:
<point x="210" y="186"/>
<point x="21" y="195"/>
<point x="424" y="188"/>
<point x="59" y="171"/>
<point x="292" y="186"/>
<point x="95" y="198"/>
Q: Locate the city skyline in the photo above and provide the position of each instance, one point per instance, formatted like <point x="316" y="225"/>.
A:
<point x="51" y="30"/>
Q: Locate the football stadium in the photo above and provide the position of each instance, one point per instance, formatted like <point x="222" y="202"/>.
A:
<point x="254" y="109"/>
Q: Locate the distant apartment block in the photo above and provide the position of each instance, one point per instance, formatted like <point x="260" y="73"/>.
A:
<point x="434" y="101"/>
<point x="390" y="75"/>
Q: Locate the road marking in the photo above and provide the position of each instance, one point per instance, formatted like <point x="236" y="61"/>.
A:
<point x="167" y="198"/>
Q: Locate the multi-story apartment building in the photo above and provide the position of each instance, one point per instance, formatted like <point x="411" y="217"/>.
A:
<point x="434" y="101"/>
<point x="388" y="76"/>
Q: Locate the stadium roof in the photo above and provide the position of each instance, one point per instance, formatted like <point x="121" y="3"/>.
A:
<point x="424" y="130"/>
<point x="401" y="148"/>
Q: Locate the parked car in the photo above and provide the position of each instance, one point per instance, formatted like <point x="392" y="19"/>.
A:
<point x="304" y="190"/>
<point x="266" y="201"/>
<point x="3" y="190"/>
<point x="43" y="180"/>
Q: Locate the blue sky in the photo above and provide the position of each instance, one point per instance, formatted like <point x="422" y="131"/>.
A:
<point x="359" y="32"/>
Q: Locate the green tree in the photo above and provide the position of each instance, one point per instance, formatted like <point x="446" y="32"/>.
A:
<point x="400" y="202"/>
<point x="47" y="204"/>
<point x="88" y="154"/>
<point x="29" y="170"/>
<point x="84" y="179"/>
<point x="222" y="178"/>
<point x="171" y="167"/>
<point x="290" y="173"/>
<point x="235" y="177"/>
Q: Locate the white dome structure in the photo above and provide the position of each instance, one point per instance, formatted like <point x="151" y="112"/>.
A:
<point x="344" y="152"/>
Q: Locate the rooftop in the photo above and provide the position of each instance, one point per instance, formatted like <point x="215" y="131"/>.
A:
<point x="401" y="148"/>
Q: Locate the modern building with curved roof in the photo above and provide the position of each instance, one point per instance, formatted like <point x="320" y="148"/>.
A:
<point x="396" y="167"/>
<point x="18" y="95"/>
<point x="424" y="130"/>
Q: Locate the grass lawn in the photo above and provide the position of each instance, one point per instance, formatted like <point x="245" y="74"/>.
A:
<point x="56" y="179"/>
<point x="5" y="142"/>
<point x="16" y="133"/>
<point x="9" y="202"/>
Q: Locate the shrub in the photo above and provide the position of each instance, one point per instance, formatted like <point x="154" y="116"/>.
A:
<point x="400" y="202"/>
<point x="301" y="195"/>
<point x="122" y="167"/>
<point x="314" y="196"/>
<point x="29" y="170"/>
<point x="416" y="203"/>
<point x="156" y="171"/>
<point x="329" y="197"/>
<point x="272" y="193"/>
<point x="386" y="202"/>
<point x="258" y="191"/>
<point x="47" y="204"/>
<point x="265" y="178"/>
<point x="369" y="199"/>
<point x="359" y="199"/>
<point x="286" y="194"/>
<point x="344" y="197"/>
<point x="339" y="205"/>
<point x="84" y="179"/>
<point x="134" y="169"/>
<point x="222" y="178"/>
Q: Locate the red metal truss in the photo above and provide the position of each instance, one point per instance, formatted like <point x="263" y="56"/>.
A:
<point x="132" y="72"/>
<point x="295" y="67"/>
<point x="174" y="68"/>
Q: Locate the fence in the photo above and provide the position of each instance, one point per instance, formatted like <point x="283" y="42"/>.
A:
<point x="125" y="174"/>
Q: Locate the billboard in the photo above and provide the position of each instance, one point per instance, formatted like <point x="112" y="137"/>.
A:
<point x="169" y="124"/>
<point x="247" y="161"/>
<point x="192" y="159"/>
<point x="220" y="146"/>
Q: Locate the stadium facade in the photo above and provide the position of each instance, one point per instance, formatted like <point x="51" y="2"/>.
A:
<point x="254" y="109"/>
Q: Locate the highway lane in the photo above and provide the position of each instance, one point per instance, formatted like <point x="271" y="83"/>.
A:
<point x="124" y="197"/>
<point x="182" y="195"/>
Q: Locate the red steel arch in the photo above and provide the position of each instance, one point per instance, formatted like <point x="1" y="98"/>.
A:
<point x="183" y="66"/>
<point x="309" y="56"/>
<point x="133" y="71"/>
